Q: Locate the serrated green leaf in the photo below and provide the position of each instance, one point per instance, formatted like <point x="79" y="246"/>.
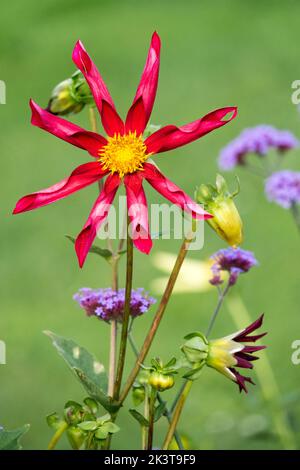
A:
<point x="139" y="417"/>
<point x="103" y="252"/>
<point x="10" y="440"/>
<point x="87" y="369"/>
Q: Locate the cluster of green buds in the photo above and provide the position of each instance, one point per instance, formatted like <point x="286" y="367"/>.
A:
<point x="70" y="96"/>
<point x="84" y="429"/>
<point x="161" y="375"/>
<point x="218" y="200"/>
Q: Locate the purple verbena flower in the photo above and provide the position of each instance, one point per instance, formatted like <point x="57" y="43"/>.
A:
<point x="233" y="260"/>
<point x="283" y="187"/>
<point x="259" y="140"/>
<point x="108" y="304"/>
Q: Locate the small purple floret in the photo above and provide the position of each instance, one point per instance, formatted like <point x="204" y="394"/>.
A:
<point x="283" y="188"/>
<point x="233" y="260"/>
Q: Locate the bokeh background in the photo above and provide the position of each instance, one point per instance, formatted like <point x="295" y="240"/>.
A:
<point x="213" y="54"/>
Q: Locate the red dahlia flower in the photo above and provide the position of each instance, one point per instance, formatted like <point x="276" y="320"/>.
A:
<point x="123" y="154"/>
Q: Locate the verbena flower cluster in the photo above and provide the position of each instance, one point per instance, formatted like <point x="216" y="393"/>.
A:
<point x="259" y="140"/>
<point x="233" y="260"/>
<point x="108" y="304"/>
<point x="283" y="187"/>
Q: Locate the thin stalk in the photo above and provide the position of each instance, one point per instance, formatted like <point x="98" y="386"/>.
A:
<point x="145" y="428"/>
<point x="58" y="434"/>
<point x="93" y="119"/>
<point x="177" y="412"/>
<point x="265" y="376"/>
<point x="125" y="323"/>
<point x="222" y="295"/>
<point x="113" y="336"/>
<point x="152" y="400"/>
<point x="157" y="319"/>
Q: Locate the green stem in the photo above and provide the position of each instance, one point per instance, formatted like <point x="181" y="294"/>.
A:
<point x="157" y="319"/>
<point x="152" y="400"/>
<point x="266" y="377"/>
<point x="177" y="412"/>
<point x="125" y="323"/>
<point x="222" y="295"/>
<point x="145" y="428"/>
<point x="58" y="434"/>
<point x="113" y="335"/>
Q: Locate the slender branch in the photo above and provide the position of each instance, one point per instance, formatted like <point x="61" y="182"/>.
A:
<point x="152" y="400"/>
<point x="113" y="335"/>
<point x="145" y="428"/>
<point x="157" y="319"/>
<point x="177" y="412"/>
<point x="58" y="434"/>
<point x="222" y="295"/>
<point x="124" y="332"/>
<point x="93" y="119"/>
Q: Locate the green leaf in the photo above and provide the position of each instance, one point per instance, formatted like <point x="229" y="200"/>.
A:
<point x="88" y="425"/>
<point x="91" y="404"/>
<point x="139" y="417"/>
<point x="171" y="363"/>
<point x="159" y="411"/>
<point x="87" y="369"/>
<point x="101" y="433"/>
<point x="9" y="440"/>
<point x="105" y="253"/>
<point x="112" y="428"/>
<point x="193" y="374"/>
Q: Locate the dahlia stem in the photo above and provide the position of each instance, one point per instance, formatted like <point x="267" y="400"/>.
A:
<point x="222" y="295"/>
<point x="58" y="434"/>
<point x="265" y="376"/>
<point x="152" y="400"/>
<point x="157" y="319"/>
<point x="93" y="119"/>
<point x="177" y="413"/>
<point x="113" y="335"/>
<point x="145" y="428"/>
<point x="167" y="412"/>
<point x="125" y="323"/>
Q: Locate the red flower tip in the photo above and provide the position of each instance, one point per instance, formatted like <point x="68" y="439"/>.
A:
<point x="79" y="54"/>
<point x="156" y="42"/>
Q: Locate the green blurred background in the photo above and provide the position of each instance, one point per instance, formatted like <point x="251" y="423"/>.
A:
<point x="213" y="54"/>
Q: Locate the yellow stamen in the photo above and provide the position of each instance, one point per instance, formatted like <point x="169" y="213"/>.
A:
<point x="124" y="154"/>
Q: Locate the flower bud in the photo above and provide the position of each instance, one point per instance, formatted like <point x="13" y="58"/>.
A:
<point x="160" y="381"/>
<point x="218" y="201"/>
<point x="76" y="437"/>
<point x="70" y="96"/>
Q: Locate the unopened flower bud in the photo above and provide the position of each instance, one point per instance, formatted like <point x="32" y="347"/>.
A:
<point x="76" y="437"/>
<point x="70" y="96"/>
<point x="160" y="381"/>
<point x="218" y="201"/>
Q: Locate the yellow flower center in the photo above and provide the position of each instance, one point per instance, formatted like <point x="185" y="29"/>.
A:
<point x="124" y="153"/>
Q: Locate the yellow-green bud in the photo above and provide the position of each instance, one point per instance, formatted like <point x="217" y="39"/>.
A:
<point x="218" y="201"/>
<point x="161" y="382"/>
<point x="70" y="96"/>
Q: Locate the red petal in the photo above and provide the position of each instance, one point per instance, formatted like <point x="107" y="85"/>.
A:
<point x="136" y="117"/>
<point x="243" y="336"/>
<point x="173" y="193"/>
<point x="66" y="130"/>
<point x="171" y="137"/>
<point x="241" y="380"/>
<point x="111" y="121"/>
<point x="148" y="83"/>
<point x="85" y="64"/>
<point x="97" y="216"/>
<point x="82" y="176"/>
<point x="138" y="212"/>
